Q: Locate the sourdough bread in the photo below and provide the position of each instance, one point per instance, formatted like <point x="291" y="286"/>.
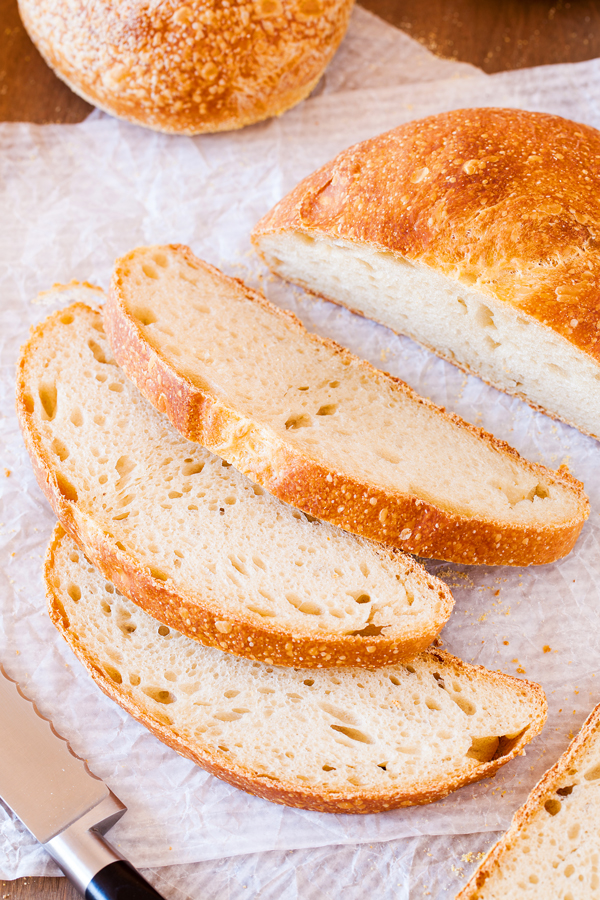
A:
<point x="193" y="67"/>
<point x="474" y="232"/>
<point x="551" y="848"/>
<point x="324" y="430"/>
<point x="349" y="740"/>
<point x="192" y="540"/>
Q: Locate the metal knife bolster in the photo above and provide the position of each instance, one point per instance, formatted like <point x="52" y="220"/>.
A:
<point x="80" y="850"/>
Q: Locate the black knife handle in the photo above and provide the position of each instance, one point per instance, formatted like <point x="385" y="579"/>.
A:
<point x="120" y="881"/>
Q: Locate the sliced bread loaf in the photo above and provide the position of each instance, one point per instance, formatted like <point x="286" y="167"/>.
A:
<point x="324" y="430"/>
<point x="192" y="540"/>
<point x="551" y="848"/>
<point x="344" y="740"/>
<point x="475" y="232"/>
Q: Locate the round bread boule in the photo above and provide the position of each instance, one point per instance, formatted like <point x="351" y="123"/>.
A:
<point x="188" y="67"/>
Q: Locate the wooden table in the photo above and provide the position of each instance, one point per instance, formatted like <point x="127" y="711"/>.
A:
<point x="495" y="35"/>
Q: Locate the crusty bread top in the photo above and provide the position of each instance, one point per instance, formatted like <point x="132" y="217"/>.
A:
<point x="191" y="67"/>
<point x="551" y="847"/>
<point x="322" y="429"/>
<point x="191" y="539"/>
<point x="503" y="200"/>
<point x="349" y="740"/>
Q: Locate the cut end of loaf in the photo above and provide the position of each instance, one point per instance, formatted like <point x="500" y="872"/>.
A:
<point x="323" y="430"/>
<point x="349" y="740"/>
<point x="499" y="264"/>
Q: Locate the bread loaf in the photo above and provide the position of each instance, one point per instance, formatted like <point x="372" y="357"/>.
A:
<point x="349" y="740"/>
<point x="192" y="540"/>
<point x="551" y="848"/>
<point x="324" y="430"/>
<point x="476" y="233"/>
<point x="191" y="67"/>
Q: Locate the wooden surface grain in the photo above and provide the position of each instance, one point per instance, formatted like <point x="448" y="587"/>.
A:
<point x="495" y="35"/>
<point x="38" y="888"/>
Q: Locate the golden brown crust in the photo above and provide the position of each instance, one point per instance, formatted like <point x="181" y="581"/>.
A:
<point x="544" y="790"/>
<point x="193" y="67"/>
<point x="281" y="791"/>
<point x="202" y="618"/>
<point x="503" y="200"/>
<point x="399" y="520"/>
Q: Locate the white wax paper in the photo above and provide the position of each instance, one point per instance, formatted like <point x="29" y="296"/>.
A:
<point x="434" y="867"/>
<point x="72" y="199"/>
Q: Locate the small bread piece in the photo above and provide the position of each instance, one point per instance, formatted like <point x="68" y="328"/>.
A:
<point x="349" y="740"/>
<point x="324" y="430"/>
<point x="475" y="232"/>
<point x="193" y="541"/>
<point x="551" y="847"/>
<point x="192" y="67"/>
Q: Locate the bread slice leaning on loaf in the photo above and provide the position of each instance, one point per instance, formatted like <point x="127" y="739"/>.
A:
<point x="344" y="740"/>
<point x="324" y="430"/>
<point x="551" y="849"/>
<point x="193" y="541"/>
<point x="476" y="233"/>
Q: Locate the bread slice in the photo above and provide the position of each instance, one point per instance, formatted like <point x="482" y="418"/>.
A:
<point x="344" y="740"/>
<point x="193" y="541"/>
<point x="551" y="848"/>
<point x="324" y="430"/>
<point x="475" y="233"/>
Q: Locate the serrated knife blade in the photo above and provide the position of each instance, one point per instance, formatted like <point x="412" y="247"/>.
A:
<point x="64" y="806"/>
<point x="40" y="780"/>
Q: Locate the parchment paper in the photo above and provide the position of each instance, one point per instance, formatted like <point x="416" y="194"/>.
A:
<point x="75" y="197"/>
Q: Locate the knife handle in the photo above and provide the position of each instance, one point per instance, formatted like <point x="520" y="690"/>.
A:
<point x="120" y="881"/>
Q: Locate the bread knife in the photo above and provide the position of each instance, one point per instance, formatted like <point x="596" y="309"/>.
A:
<point x="65" y="807"/>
